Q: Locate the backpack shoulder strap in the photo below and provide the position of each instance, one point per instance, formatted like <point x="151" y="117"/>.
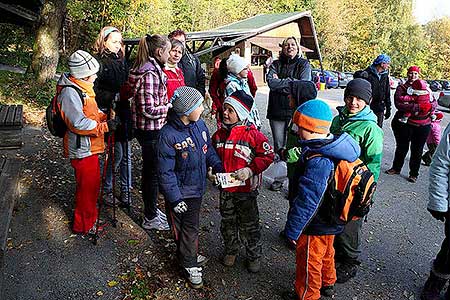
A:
<point x="79" y="91"/>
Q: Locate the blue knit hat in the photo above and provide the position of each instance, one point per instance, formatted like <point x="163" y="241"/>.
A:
<point x="382" y="58"/>
<point x="241" y="102"/>
<point x="313" y="115"/>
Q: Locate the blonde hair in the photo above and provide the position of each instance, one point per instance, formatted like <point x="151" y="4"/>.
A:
<point x="148" y="45"/>
<point x="99" y="46"/>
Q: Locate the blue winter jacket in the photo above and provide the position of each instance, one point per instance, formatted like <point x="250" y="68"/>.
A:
<point x="312" y="184"/>
<point x="184" y="153"/>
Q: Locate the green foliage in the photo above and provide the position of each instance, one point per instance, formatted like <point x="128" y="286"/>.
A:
<point x="16" y="45"/>
<point x="18" y="88"/>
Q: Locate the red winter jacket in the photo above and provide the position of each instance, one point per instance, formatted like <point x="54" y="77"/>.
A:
<point x="243" y="146"/>
<point x="175" y="79"/>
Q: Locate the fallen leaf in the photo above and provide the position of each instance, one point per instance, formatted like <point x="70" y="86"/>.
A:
<point x="112" y="283"/>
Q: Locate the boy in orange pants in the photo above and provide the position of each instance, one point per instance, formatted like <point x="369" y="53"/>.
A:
<point x="310" y="223"/>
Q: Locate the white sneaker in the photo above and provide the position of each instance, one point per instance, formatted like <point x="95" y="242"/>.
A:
<point x="201" y="260"/>
<point x="155" y="223"/>
<point x="194" y="276"/>
<point x="161" y="215"/>
<point x="109" y="199"/>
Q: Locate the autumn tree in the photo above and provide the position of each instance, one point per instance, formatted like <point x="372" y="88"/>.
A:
<point x="46" y="46"/>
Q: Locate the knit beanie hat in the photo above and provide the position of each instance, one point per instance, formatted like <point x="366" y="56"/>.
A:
<point x="235" y="64"/>
<point x="82" y="64"/>
<point x="359" y="88"/>
<point x="302" y="91"/>
<point x="414" y="69"/>
<point x="185" y="100"/>
<point x="382" y="58"/>
<point x="313" y="115"/>
<point x="241" y="102"/>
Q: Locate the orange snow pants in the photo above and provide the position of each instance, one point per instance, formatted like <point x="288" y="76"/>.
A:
<point x="315" y="265"/>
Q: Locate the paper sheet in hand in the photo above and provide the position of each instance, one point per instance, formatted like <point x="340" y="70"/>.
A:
<point x="226" y="180"/>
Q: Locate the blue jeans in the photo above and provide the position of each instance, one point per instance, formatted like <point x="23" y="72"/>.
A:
<point x="148" y="140"/>
<point x="122" y="159"/>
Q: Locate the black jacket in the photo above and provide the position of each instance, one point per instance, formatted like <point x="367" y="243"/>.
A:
<point x="194" y="76"/>
<point x="381" y="90"/>
<point x="287" y="70"/>
<point x="112" y="75"/>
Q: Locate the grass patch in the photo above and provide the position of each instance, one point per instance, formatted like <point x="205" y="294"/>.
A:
<point x="22" y="89"/>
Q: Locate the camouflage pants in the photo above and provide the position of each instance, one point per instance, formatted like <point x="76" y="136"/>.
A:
<point x="240" y="222"/>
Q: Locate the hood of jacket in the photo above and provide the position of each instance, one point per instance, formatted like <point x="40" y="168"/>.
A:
<point x="176" y="122"/>
<point x="151" y="65"/>
<point x="286" y="59"/>
<point x="336" y="147"/>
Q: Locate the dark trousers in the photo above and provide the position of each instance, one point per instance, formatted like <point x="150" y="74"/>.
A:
<point x="149" y="181"/>
<point x="380" y="118"/>
<point x="240" y="222"/>
<point x="442" y="262"/>
<point x="348" y="244"/>
<point x="409" y="137"/>
<point x="185" y="228"/>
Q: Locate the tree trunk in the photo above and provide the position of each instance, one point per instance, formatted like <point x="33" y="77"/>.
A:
<point x="46" y="44"/>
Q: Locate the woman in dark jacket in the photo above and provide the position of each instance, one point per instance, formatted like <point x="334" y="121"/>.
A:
<point x="289" y="67"/>
<point x="112" y="75"/>
<point x="413" y="134"/>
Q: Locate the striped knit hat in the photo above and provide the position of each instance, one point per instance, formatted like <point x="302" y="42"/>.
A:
<point x="82" y="64"/>
<point x="241" y="102"/>
<point x="185" y="100"/>
<point x="313" y="115"/>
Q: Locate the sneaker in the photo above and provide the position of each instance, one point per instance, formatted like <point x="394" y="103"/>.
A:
<point x="276" y="186"/>
<point x="161" y="215"/>
<point x="110" y="199"/>
<point x="194" y="276"/>
<point x="155" y="223"/>
<point x="433" y="287"/>
<point x="228" y="260"/>
<point x="345" y="272"/>
<point x="327" y="291"/>
<point x="254" y="266"/>
<point x="125" y="199"/>
<point x="289" y="295"/>
<point x="412" y="179"/>
<point x="93" y="230"/>
<point x="391" y="171"/>
<point x="201" y="260"/>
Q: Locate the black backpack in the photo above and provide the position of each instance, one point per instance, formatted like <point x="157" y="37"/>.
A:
<point x="53" y="117"/>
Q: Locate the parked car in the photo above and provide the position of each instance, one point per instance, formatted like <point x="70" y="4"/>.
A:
<point x="349" y="75"/>
<point x="342" y="79"/>
<point x="434" y="85"/>
<point x="330" y="79"/>
<point x="444" y="98"/>
<point x="445" y="84"/>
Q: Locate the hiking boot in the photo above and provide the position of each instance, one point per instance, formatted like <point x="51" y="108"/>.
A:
<point x="194" y="276"/>
<point x="125" y="199"/>
<point x="201" y="260"/>
<point x="433" y="287"/>
<point x="228" y="260"/>
<point x="327" y="291"/>
<point x="289" y="295"/>
<point x="110" y="199"/>
<point x="345" y="271"/>
<point x="276" y="186"/>
<point x="412" y="179"/>
<point x="391" y="171"/>
<point x="155" y="223"/>
<point x="253" y="266"/>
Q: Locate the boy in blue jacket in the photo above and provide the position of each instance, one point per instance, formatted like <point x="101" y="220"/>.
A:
<point x="184" y="152"/>
<point x="309" y="224"/>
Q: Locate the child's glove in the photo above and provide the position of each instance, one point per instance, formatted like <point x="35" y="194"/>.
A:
<point x="180" y="208"/>
<point x="212" y="177"/>
<point x="112" y="124"/>
<point x="293" y="155"/>
<point x="243" y="174"/>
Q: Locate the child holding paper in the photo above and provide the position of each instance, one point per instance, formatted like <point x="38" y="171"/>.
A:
<point x="245" y="152"/>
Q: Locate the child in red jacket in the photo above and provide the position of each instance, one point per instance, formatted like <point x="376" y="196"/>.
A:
<point x="420" y="95"/>
<point x="245" y="152"/>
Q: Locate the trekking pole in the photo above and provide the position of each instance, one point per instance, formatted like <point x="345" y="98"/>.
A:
<point x="100" y="200"/>
<point x="114" y="220"/>
<point x="128" y="162"/>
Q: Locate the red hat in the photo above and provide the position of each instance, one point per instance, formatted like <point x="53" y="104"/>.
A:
<point x="414" y="69"/>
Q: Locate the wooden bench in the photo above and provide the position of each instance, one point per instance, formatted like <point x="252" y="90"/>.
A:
<point x="9" y="187"/>
<point x="11" y="123"/>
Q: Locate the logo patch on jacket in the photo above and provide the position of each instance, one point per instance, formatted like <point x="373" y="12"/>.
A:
<point x="185" y="154"/>
<point x="205" y="148"/>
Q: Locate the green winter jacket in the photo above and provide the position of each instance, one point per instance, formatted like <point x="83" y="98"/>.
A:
<point x="364" y="129"/>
